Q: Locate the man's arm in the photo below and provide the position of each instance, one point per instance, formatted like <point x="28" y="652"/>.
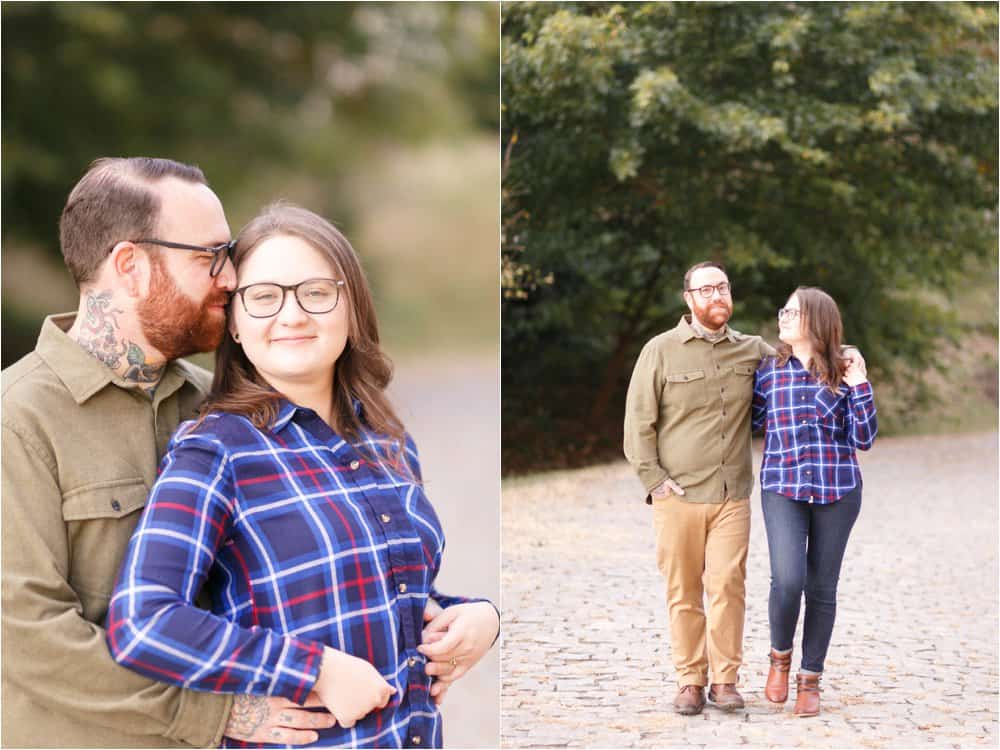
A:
<point x="642" y="412"/>
<point x="50" y="651"/>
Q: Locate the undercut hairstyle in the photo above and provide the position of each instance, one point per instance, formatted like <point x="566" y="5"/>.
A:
<point x="703" y="264"/>
<point x="114" y="201"/>
<point x="822" y="325"/>
<point x="361" y="373"/>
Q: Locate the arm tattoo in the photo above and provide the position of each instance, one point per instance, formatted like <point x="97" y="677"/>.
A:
<point x="248" y="714"/>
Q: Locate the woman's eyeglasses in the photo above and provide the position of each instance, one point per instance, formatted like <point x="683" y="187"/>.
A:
<point x="265" y="300"/>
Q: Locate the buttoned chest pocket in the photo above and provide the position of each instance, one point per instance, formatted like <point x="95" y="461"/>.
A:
<point x="831" y="408"/>
<point x="686" y="390"/>
<point x="99" y="521"/>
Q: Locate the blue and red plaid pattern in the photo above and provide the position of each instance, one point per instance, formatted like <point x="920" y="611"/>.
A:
<point x="811" y="433"/>
<point x="302" y="541"/>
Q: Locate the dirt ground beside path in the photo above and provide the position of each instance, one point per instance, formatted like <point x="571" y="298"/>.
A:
<point x="913" y="662"/>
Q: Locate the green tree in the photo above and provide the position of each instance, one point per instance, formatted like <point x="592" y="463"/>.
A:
<point x="848" y="145"/>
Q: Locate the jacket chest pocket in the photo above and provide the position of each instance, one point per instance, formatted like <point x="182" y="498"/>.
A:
<point x="100" y="520"/>
<point x="685" y="390"/>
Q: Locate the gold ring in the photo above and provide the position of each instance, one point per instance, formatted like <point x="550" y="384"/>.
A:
<point x="454" y="662"/>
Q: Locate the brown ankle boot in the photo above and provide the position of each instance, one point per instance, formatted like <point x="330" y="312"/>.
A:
<point x="807" y="694"/>
<point x="776" y="688"/>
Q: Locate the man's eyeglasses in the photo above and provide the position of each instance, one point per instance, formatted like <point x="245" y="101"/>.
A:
<point x="788" y="313"/>
<point x="706" y="291"/>
<point x="219" y="252"/>
<point x="265" y="300"/>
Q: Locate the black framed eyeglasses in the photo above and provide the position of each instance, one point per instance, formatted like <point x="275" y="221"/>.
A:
<point x="722" y="288"/>
<point x="219" y="252"/>
<point x="265" y="299"/>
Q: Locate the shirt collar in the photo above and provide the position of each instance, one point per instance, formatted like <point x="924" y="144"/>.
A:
<point x="688" y="331"/>
<point x="82" y="374"/>
<point x="287" y="411"/>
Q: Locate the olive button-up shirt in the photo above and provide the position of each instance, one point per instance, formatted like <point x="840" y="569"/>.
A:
<point x="80" y="452"/>
<point x="687" y="414"/>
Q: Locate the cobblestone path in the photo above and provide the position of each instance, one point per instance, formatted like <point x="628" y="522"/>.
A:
<point x="913" y="663"/>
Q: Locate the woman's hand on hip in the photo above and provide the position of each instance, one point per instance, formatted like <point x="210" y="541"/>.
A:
<point x="350" y="687"/>
<point x="456" y="640"/>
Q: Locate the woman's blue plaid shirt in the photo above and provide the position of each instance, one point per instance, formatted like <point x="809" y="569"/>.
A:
<point x="302" y="541"/>
<point x="811" y="433"/>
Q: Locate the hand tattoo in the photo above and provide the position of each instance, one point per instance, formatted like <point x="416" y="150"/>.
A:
<point x="248" y="714"/>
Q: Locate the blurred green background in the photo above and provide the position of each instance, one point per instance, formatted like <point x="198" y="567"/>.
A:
<point x="852" y="146"/>
<point x="383" y="117"/>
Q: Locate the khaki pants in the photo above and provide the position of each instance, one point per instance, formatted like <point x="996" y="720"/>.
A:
<point x="706" y="543"/>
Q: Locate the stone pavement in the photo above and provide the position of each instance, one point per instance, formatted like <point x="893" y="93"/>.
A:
<point x="913" y="662"/>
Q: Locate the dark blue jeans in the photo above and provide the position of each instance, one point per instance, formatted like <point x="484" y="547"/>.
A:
<point x="806" y="543"/>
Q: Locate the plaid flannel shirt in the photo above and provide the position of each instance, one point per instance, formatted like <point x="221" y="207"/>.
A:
<point x="302" y="541"/>
<point x="811" y="433"/>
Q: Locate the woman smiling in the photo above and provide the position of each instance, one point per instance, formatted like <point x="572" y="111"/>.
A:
<point x="297" y="502"/>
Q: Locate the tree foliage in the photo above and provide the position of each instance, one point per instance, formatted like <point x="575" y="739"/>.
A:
<point x="848" y="145"/>
<point x="240" y="88"/>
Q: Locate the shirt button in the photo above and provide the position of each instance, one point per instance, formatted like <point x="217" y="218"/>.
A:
<point x="402" y="588"/>
<point x="385" y="518"/>
<point x="415" y="740"/>
<point x="355" y="465"/>
<point x="412" y="661"/>
<point x="115" y="505"/>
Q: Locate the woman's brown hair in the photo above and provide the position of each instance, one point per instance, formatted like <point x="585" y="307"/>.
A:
<point x="820" y="318"/>
<point x="362" y="371"/>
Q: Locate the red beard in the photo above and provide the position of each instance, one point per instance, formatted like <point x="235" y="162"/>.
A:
<point x="175" y="325"/>
<point x="713" y="315"/>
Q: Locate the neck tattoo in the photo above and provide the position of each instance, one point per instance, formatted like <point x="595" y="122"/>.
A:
<point x="702" y="332"/>
<point x="99" y="334"/>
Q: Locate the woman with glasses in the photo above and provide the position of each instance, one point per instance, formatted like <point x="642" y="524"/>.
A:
<point x="818" y="409"/>
<point x="296" y="502"/>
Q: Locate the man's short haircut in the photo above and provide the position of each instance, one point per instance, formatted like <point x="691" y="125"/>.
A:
<point x="113" y="202"/>
<point x="703" y="264"/>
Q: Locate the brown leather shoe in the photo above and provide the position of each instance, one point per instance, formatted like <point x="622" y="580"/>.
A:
<point x="690" y="700"/>
<point x="776" y="688"/>
<point x="806" y="694"/>
<point x="725" y="696"/>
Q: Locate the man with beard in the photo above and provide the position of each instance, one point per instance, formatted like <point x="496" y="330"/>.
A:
<point x="687" y="434"/>
<point x="86" y="417"/>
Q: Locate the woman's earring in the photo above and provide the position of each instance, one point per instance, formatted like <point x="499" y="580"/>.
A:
<point x="236" y="338"/>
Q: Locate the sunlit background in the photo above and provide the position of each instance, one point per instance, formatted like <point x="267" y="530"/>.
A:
<point x="383" y="117"/>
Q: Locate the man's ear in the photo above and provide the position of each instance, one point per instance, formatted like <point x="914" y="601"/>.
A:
<point x="131" y="268"/>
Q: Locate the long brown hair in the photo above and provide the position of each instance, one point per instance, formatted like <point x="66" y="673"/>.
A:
<point x="820" y="317"/>
<point x="363" y="370"/>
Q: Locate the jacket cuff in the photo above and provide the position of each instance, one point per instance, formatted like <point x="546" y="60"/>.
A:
<point x="201" y="718"/>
